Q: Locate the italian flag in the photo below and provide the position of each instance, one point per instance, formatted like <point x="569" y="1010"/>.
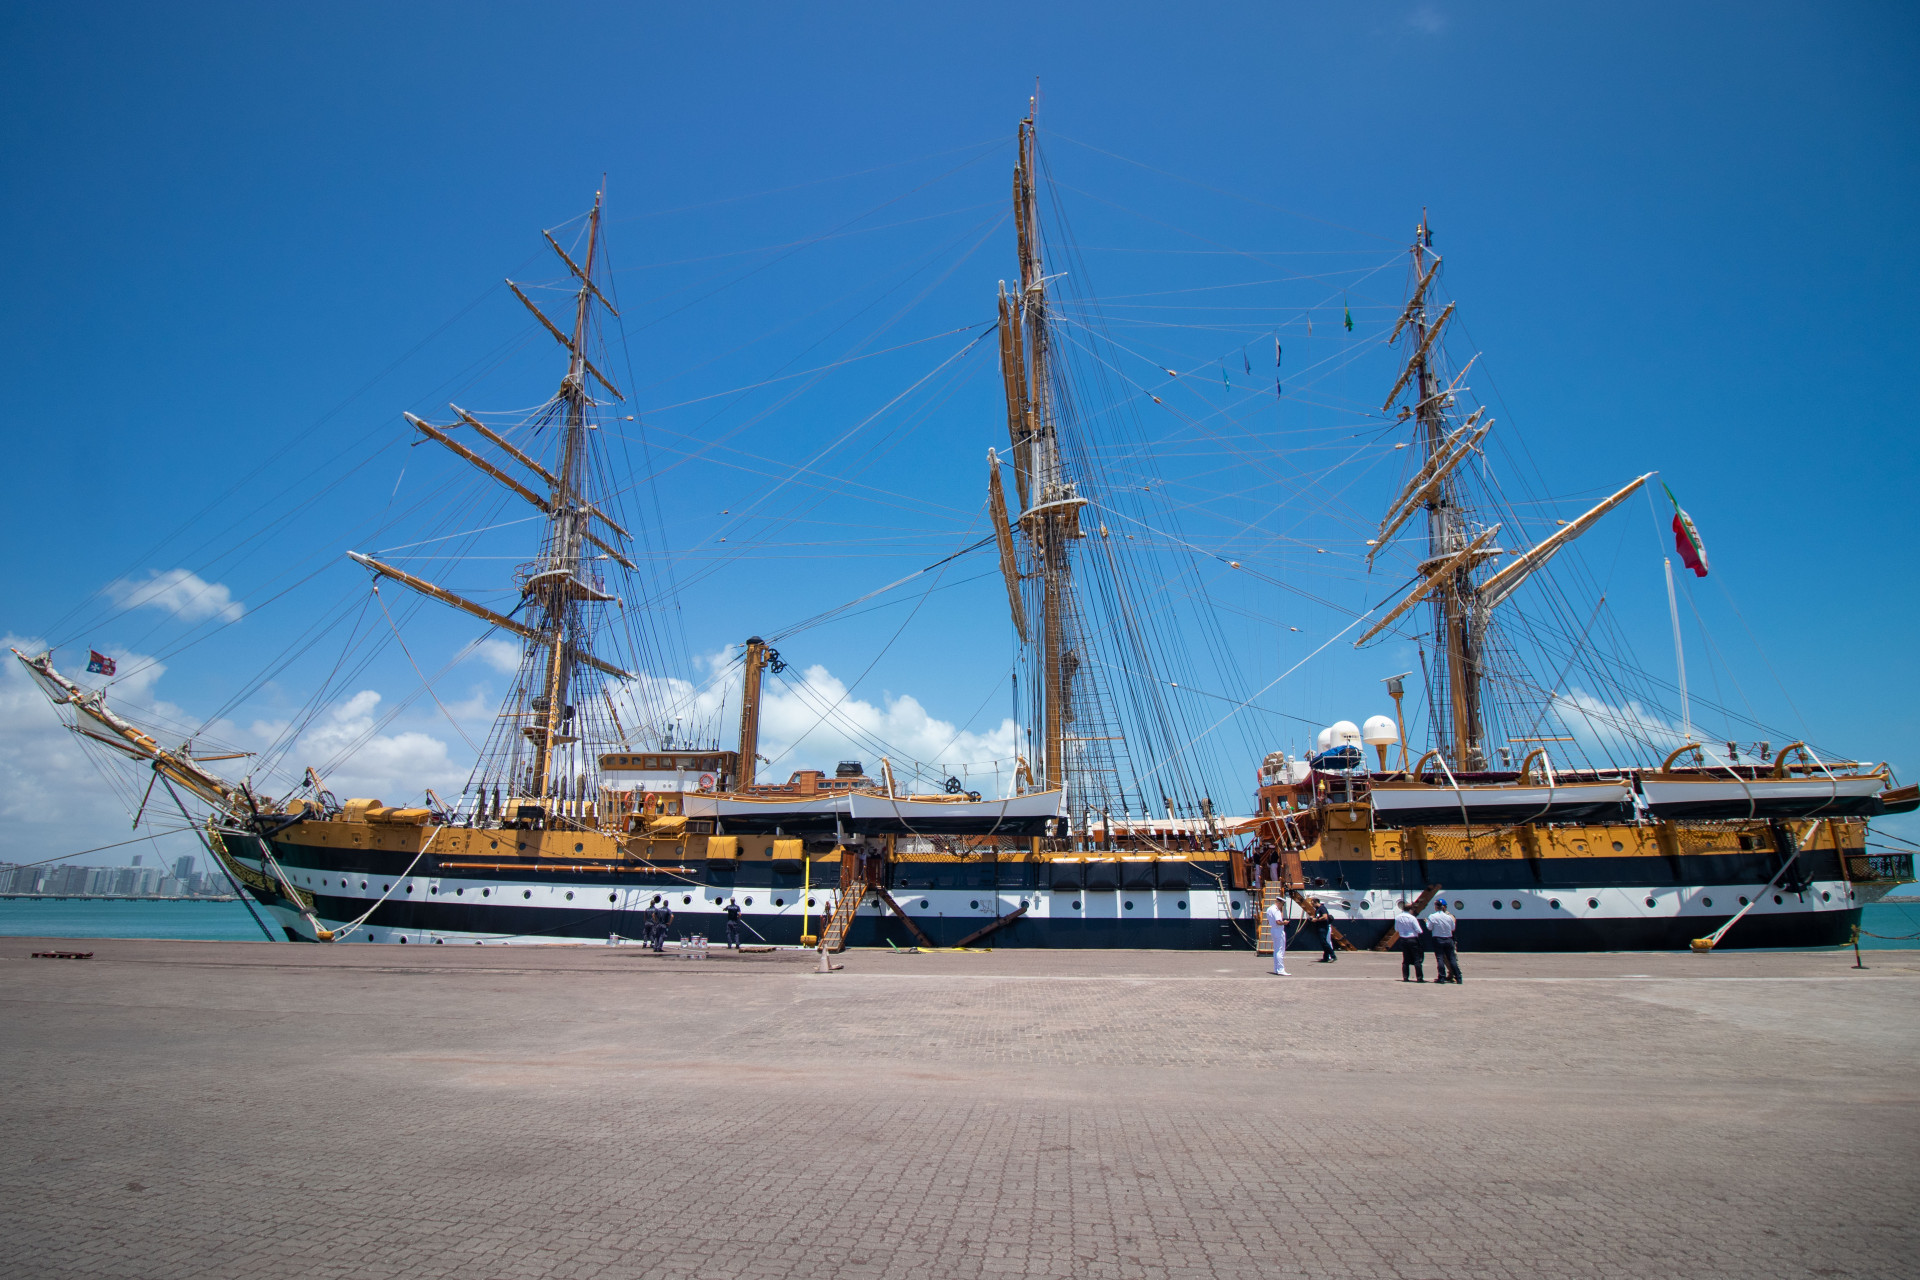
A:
<point x="1686" y="538"/>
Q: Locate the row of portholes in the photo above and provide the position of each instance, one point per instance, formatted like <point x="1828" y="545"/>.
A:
<point x="1180" y="905"/>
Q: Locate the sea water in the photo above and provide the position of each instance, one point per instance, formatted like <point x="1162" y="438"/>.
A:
<point x="1897" y="924"/>
<point x="201" y="920"/>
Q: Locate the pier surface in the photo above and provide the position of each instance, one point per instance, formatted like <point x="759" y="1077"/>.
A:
<point x="177" y="1109"/>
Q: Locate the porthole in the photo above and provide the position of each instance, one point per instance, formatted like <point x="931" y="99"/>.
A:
<point x="493" y="844"/>
<point x="403" y="942"/>
<point x="526" y="893"/>
<point x="433" y="888"/>
<point x="1181" y="905"/>
<point x="781" y="902"/>
<point x="611" y="897"/>
<point x="1236" y="906"/>
<point x="1076" y="904"/>
<point x="1825" y="896"/>
<point x="1593" y="903"/>
<point x="1618" y="847"/>
<point x="385" y="888"/>
<point x="438" y="941"/>
<point x="1516" y="904"/>
<point x="579" y="848"/>
<point x="458" y="893"/>
<point x="1129" y="904"/>
<point x="569" y="895"/>
<point x="486" y="893"/>
<point x="1706" y="902"/>
<point x="687" y="898"/>
<point x="1743" y="900"/>
<point x="923" y="904"/>
<point x="409" y="888"/>
<point x="1777" y="899"/>
<point x="1503" y="850"/>
<point x="1554" y="903"/>
<point x="1496" y="904"/>
<point x="975" y="904"/>
<point x="363" y="884"/>
<point x="749" y="901"/>
<point x="1650" y="902"/>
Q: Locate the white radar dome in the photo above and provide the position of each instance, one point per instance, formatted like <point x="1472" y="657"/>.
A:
<point x="1379" y="731"/>
<point x="1344" y="733"/>
<point x="1323" y="740"/>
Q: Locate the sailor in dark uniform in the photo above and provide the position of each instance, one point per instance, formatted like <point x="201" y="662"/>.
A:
<point x="733" y="924"/>
<point x="650" y="923"/>
<point x="663" y="917"/>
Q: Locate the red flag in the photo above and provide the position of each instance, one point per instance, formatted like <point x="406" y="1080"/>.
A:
<point x="1686" y="539"/>
<point x="99" y="663"/>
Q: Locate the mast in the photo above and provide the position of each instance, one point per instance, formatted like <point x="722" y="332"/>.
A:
<point x="1053" y="518"/>
<point x="566" y="528"/>
<point x="1455" y="626"/>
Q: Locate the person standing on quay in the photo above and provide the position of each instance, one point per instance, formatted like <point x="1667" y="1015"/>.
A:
<point x="663" y="917"/>
<point x="733" y="924"/>
<point x="1277" y="929"/>
<point x="1446" y="953"/>
<point x="1322" y="918"/>
<point x="1413" y="949"/>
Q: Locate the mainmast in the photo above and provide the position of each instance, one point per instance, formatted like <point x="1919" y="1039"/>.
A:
<point x="1051" y="516"/>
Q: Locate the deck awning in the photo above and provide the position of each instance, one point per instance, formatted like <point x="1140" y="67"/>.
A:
<point x="1419" y="804"/>
<point x="1707" y="798"/>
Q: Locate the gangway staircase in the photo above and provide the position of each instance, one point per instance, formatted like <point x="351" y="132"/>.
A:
<point x="853" y="891"/>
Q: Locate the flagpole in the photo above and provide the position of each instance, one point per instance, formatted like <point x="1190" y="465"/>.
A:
<point x="1679" y="654"/>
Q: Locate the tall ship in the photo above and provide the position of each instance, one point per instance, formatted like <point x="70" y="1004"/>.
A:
<point x="586" y="808"/>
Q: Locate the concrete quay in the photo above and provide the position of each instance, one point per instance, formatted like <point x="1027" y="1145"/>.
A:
<point x="206" y="1110"/>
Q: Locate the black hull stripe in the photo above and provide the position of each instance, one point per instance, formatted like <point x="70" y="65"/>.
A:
<point x="1774" y="929"/>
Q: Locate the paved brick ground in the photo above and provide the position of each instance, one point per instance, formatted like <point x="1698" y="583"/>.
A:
<point x="242" y="1110"/>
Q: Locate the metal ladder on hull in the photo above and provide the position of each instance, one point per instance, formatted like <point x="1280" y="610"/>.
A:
<point x="853" y="891"/>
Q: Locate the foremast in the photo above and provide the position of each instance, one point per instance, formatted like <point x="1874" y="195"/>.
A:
<point x="527" y="756"/>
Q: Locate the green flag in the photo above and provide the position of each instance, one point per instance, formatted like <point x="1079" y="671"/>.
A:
<point x="1349" y="311"/>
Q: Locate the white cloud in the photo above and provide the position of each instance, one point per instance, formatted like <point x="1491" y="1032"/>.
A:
<point x="180" y="592"/>
<point x="810" y="722"/>
<point x="502" y="655"/>
<point x="395" y="767"/>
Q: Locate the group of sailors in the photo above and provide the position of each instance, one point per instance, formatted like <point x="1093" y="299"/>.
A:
<point x="658" y="917"/>
<point x="1415" y="936"/>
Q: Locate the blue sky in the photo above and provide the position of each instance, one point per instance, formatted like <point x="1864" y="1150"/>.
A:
<point x="247" y="238"/>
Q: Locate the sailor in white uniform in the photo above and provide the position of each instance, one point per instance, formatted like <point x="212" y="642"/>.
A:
<point x="1277" y="928"/>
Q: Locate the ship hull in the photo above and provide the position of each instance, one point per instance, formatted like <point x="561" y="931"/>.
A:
<point x="1596" y="912"/>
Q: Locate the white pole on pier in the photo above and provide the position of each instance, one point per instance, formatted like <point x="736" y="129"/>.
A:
<point x="1679" y="653"/>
